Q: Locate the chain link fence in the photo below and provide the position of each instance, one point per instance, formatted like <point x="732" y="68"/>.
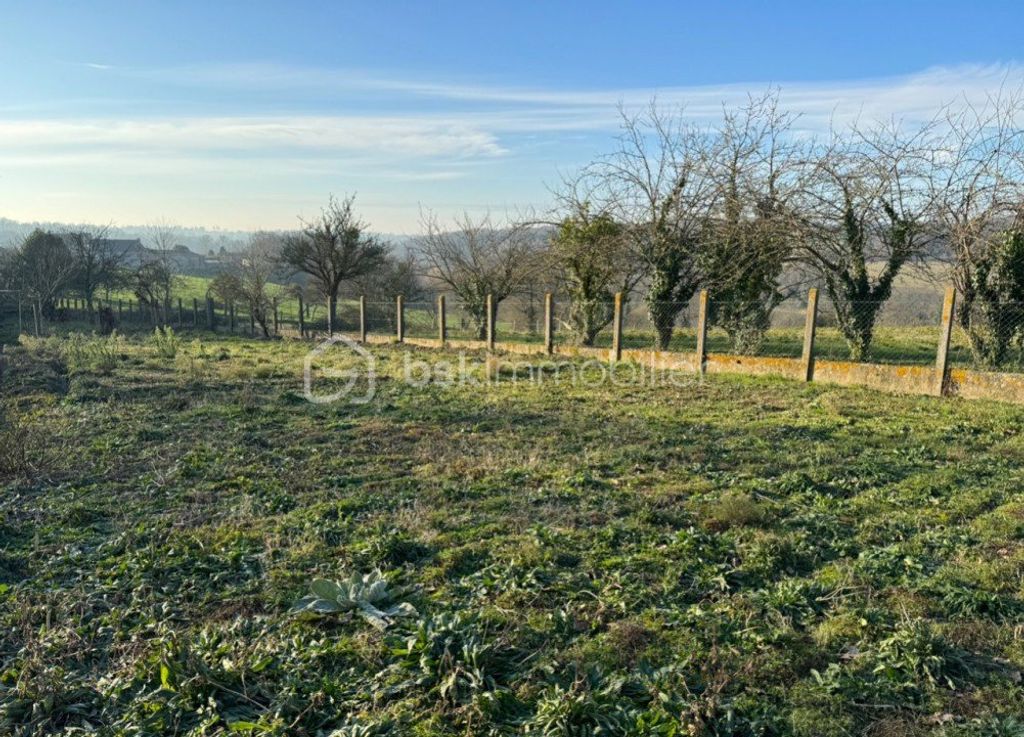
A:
<point x="988" y="336"/>
<point x="904" y="329"/>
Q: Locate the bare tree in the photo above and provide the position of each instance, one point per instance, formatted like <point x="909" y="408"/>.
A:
<point x="152" y="282"/>
<point x="754" y="164"/>
<point x="867" y="212"/>
<point x="478" y="257"/>
<point x="395" y="276"/>
<point x="99" y="263"/>
<point x="248" y="277"/>
<point x="979" y="190"/>
<point x="333" y="249"/>
<point x="656" y="184"/>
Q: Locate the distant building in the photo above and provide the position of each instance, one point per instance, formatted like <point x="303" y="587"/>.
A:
<point x="183" y="260"/>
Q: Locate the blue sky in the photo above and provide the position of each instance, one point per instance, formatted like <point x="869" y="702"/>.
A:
<point x="246" y="115"/>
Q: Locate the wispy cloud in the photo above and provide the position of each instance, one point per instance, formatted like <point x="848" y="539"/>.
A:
<point x="912" y="96"/>
<point x="259" y="133"/>
<point x="419" y="137"/>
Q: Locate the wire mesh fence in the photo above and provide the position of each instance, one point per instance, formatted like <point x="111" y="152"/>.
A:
<point x="880" y="331"/>
<point x="421" y="320"/>
<point x="988" y="335"/>
<point x="905" y="328"/>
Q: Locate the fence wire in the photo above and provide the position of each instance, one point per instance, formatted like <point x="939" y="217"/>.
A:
<point x="988" y="336"/>
<point x="903" y="329"/>
<point x="892" y="331"/>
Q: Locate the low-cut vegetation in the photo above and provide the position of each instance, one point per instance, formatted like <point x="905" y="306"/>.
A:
<point x="189" y="547"/>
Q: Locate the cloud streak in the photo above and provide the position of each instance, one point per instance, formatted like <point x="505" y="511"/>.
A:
<point x="417" y="137"/>
<point x="271" y="132"/>
<point x="911" y="96"/>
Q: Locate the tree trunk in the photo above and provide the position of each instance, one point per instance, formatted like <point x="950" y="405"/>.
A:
<point x="663" y="315"/>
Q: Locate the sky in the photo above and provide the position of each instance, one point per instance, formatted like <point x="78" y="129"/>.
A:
<point x="247" y="115"/>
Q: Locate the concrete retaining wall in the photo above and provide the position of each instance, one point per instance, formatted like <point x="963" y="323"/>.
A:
<point x="898" y="379"/>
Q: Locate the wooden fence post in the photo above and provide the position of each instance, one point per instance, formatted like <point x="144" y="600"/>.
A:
<point x="302" y="320"/>
<point x="277" y="318"/>
<point x="549" y="325"/>
<point x="211" y="315"/>
<point x="252" y="323"/>
<point x="945" y="333"/>
<point x="617" y="328"/>
<point x="21" y="320"/>
<point x="490" y="322"/>
<point x="362" y="318"/>
<point x="442" y="321"/>
<point x="231" y="318"/>
<point x="809" y="327"/>
<point x="195" y="312"/>
<point x="702" y="333"/>
<point x="400" y="319"/>
<point x="129" y="309"/>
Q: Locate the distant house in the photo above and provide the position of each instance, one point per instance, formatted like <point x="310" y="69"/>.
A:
<point x="182" y="259"/>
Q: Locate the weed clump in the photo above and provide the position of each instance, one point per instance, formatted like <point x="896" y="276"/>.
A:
<point x="735" y="509"/>
<point x="165" y="343"/>
<point x="22" y="442"/>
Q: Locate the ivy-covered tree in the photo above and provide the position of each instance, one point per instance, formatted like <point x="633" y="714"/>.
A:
<point x="593" y="260"/>
<point x="866" y="213"/>
<point x="656" y="185"/>
<point x="747" y="240"/>
<point x="995" y="292"/>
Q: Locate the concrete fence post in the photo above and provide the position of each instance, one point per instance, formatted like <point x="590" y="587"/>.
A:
<point x="442" y="321"/>
<point x="362" y="318"/>
<point x="490" y="322"/>
<point x="400" y="319"/>
<point x="945" y="333"/>
<point x="807" y="371"/>
<point x="702" y="333"/>
<point x="617" y="328"/>
<point x="549" y="324"/>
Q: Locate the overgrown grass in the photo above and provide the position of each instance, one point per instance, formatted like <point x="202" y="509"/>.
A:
<point x="729" y="557"/>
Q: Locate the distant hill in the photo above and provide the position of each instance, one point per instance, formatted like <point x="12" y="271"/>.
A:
<point x="200" y="240"/>
<point x="203" y="241"/>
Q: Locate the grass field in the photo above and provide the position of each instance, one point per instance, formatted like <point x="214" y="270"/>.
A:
<point x="729" y="557"/>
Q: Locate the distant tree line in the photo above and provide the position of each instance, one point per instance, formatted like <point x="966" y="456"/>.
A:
<point x="733" y="207"/>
